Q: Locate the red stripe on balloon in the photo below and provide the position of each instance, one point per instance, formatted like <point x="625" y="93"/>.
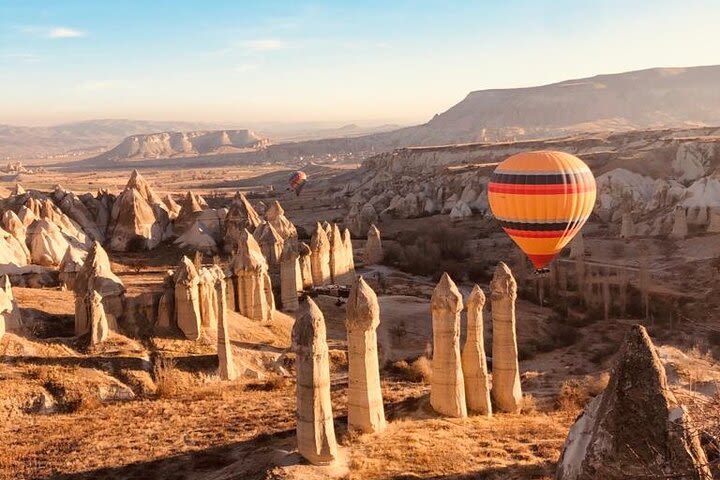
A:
<point x="541" y="260"/>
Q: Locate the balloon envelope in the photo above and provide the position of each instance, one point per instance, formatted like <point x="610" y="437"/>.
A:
<point x="297" y="181"/>
<point x="542" y="199"/>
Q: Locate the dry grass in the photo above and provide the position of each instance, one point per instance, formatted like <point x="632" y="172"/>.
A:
<point x="419" y="371"/>
<point x="576" y="393"/>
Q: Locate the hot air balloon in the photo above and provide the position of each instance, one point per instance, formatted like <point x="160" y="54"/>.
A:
<point x="297" y="181"/>
<point x="542" y="199"/>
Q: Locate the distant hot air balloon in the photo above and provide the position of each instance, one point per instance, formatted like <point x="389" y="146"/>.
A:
<point x="542" y="199"/>
<point x="297" y="181"/>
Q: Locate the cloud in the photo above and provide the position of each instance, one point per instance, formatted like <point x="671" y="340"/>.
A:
<point x="64" y="32"/>
<point x="263" y="45"/>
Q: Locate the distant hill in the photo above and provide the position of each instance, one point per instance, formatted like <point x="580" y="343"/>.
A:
<point x="182" y="144"/>
<point x="85" y="136"/>
<point x="654" y="98"/>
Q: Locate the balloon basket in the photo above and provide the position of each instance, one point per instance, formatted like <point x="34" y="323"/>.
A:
<point x="541" y="272"/>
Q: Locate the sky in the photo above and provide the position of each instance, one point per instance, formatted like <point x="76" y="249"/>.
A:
<point x="367" y="62"/>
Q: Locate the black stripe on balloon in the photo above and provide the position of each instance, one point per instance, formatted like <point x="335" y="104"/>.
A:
<point x="530" y="179"/>
<point x="539" y="227"/>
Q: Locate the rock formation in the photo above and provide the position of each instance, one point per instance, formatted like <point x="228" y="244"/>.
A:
<point x="46" y="242"/>
<point x="10" y="319"/>
<point x="373" y="247"/>
<point x="70" y="265"/>
<point x="139" y="218"/>
<point x="635" y="428"/>
<point x="305" y="256"/>
<point x="365" y="403"/>
<point x="275" y="216"/>
<point x="315" y="428"/>
<point x="680" y="227"/>
<point x="577" y="246"/>
<point x="506" y="391"/>
<point x="474" y="363"/>
<point x="166" y="305"/>
<point x="207" y="277"/>
<point x="226" y="366"/>
<point x="320" y="259"/>
<point x="96" y="318"/>
<point x="271" y="246"/>
<point x="713" y="219"/>
<point x="290" y="276"/>
<point x="341" y="263"/>
<point x="96" y="273"/>
<point x="447" y="389"/>
<point x="187" y="299"/>
<point x="198" y="238"/>
<point x="627" y="229"/>
<point x="240" y="216"/>
<point x="252" y="288"/>
<point x="349" y="255"/>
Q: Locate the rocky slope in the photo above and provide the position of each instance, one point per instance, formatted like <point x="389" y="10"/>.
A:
<point x="643" y="175"/>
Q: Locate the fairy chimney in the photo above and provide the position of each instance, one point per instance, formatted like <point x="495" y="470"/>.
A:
<point x="275" y="216"/>
<point x="320" y="259"/>
<point x="251" y="282"/>
<point x="680" y="227"/>
<point x="226" y="366"/>
<point x="315" y="428"/>
<point x="305" y="259"/>
<point x="474" y="363"/>
<point x="207" y="297"/>
<point x="636" y="428"/>
<point x="187" y="299"/>
<point x="447" y="389"/>
<point x="365" y="403"/>
<point x="373" y="247"/>
<point x="290" y="276"/>
<point x="166" y="305"/>
<point x="9" y="310"/>
<point x="506" y="391"/>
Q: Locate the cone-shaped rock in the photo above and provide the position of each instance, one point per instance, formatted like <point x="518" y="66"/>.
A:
<point x="474" y="363"/>
<point x="240" y="216"/>
<point x="290" y="276"/>
<point x="187" y="299"/>
<point x="315" y="428"/>
<point x="275" y="216"/>
<point x="252" y="287"/>
<point x="506" y="391"/>
<point x="447" y="389"/>
<point x="99" y="329"/>
<point x="305" y="260"/>
<point x="365" y="403"/>
<point x="635" y="426"/>
<point x="226" y="366"/>
<point x="373" y="247"/>
<point x="320" y="259"/>
<point x="96" y="267"/>
<point x="10" y="319"/>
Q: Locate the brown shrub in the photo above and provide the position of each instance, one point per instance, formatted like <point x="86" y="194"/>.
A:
<point x="167" y="383"/>
<point x="419" y="371"/>
<point x="576" y="393"/>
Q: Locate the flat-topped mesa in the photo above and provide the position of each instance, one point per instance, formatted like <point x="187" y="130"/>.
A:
<point x="320" y="259"/>
<point x="315" y="428"/>
<point x="636" y="426"/>
<point x="207" y="297"/>
<point x="305" y="259"/>
<point x="240" y="216"/>
<point x="474" y="362"/>
<point x="447" y="389"/>
<point x="10" y="318"/>
<point x="365" y="404"/>
<point x="680" y="226"/>
<point x="275" y="216"/>
<point x="252" y="287"/>
<point x="290" y="276"/>
<point x="97" y="268"/>
<point x="139" y="219"/>
<point x="373" y="253"/>
<point x="506" y="391"/>
<point x="226" y="366"/>
<point x="187" y="299"/>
